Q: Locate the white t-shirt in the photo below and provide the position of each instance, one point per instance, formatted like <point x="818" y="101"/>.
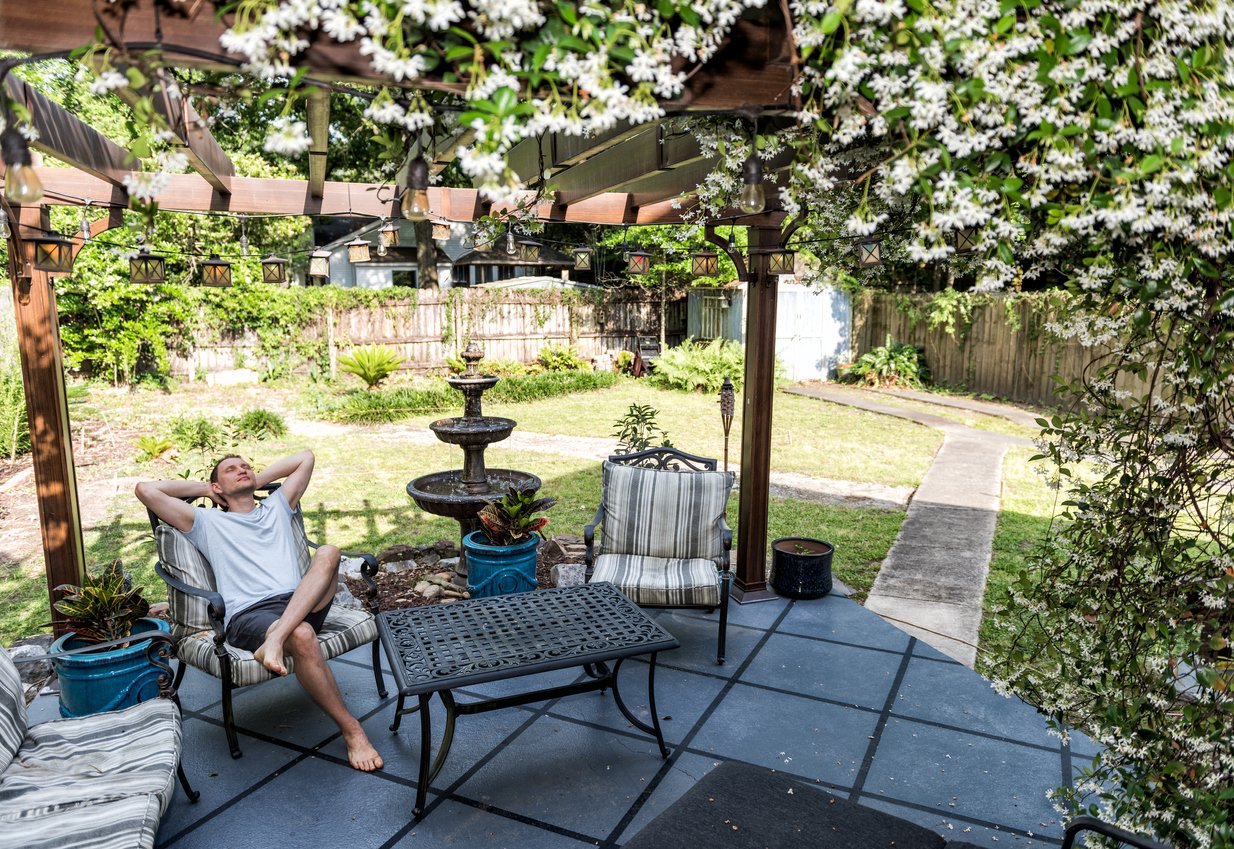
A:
<point x="254" y="555"/>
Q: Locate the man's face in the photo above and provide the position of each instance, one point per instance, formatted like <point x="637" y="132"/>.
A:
<point x="235" y="476"/>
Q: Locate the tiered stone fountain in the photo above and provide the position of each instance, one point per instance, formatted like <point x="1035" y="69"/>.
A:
<point x="460" y="494"/>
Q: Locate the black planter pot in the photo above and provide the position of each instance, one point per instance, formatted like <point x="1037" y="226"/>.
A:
<point x="801" y="567"/>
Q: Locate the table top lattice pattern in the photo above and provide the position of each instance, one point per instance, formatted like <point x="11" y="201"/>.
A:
<point x="443" y="646"/>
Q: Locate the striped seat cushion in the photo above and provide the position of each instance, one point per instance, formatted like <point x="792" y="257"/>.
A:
<point x="661" y="581"/>
<point x="12" y="710"/>
<point x="128" y="823"/>
<point x="344" y="630"/>
<point x="666" y="514"/>
<point x="73" y="763"/>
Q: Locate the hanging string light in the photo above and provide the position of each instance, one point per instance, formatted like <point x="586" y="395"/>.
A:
<point x="869" y="253"/>
<point x="274" y="270"/>
<point x="84" y="227"/>
<point x="705" y="264"/>
<point x="529" y="249"/>
<point x="357" y="250"/>
<point x="752" y="199"/>
<point x="387" y="237"/>
<point x="441" y="231"/>
<point x="511" y="243"/>
<point x="244" y="237"/>
<point x="53" y="253"/>
<point x="965" y="240"/>
<point x="319" y="263"/>
<point x="216" y="272"/>
<point x="415" y="199"/>
<point x="4" y="224"/>
<point x="782" y="261"/>
<point x="21" y="184"/>
<point x="582" y="258"/>
<point x="147" y="267"/>
<point x="639" y="262"/>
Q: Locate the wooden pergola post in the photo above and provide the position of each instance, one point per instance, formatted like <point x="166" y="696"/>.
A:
<point x="42" y="370"/>
<point x="758" y="395"/>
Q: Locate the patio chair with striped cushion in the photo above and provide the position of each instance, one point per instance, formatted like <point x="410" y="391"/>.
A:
<point x="197" y="614"/>
<point x="665" y="542"/>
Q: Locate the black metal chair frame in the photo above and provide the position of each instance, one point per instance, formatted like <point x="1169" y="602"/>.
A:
<point x="672" y="459"/>
<point x="1112" y="831"/>
<point x="217" y="611"/>
<point x="158" y="653"/>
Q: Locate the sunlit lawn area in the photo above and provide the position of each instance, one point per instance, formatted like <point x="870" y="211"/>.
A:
<point x="358" y="498"/>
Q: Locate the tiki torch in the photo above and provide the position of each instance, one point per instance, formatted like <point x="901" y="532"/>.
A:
<point x="728" y="405"/>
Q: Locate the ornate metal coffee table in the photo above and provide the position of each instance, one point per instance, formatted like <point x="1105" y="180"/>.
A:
<point x="440" y="648"/>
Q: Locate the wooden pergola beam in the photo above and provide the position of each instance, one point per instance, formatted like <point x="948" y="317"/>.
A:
<point x="530" y="158"/>
<point x="319" y="135"/>
<point x="619" y="167"/>
<point x="65" y="137"/>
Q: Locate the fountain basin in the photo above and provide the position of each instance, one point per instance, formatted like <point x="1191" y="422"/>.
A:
<point x="478" y="382"/>
<point x="445" y="493"/>
<point x="472" y="430"/>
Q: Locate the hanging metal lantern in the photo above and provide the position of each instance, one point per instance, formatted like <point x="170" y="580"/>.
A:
<point x="638" y="262"/>
<point x="869" y="253"/>
<point x="705" y="264"/>
<point x="357" y="250"/>
<point x="53" y="253"/>
<point x="147" y="267"/>
<point x="781" y="262"/>
<point x="319" y="263"/>
<point x="441" y="231"/>
<point x="529" y="249"/>
<point x="582" y="258"/>
<point x="215" y="272"/>
<point x="274" y="270"/>
<point x="387" y="236"/>
<point x="966" y="240"/>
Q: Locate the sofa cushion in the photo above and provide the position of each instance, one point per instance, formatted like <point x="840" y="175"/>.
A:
<point x="737" y="806"/>
<point x="659" y="513"/>
<point x="189" y="614"/>
<point x="70" y="763"/>
<point x="12" y="709"/>
<point x="130" y="823"/>
<point x="660" y="581"/>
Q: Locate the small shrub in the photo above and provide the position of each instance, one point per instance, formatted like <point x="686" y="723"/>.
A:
<point x="501" y="368"/>
<point x="257" y="424"/>
<point x="693" y="366"/>
<point x="153" y="447"/>
<point x="891" y="364"/>
<point x="625" y="362"/>
<point x="14" y="425"/>
<point x="638" y="430"/>
<point x="371" y="363"/>
<point x="549" y="384"/>
<point x="512" y="518"/>
<point x="561" y="358"/>
<point x="394" y="405"/>
<point x="196" y="433"/>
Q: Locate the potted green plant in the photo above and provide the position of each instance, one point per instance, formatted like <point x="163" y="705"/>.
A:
<point x="103" y="610"/>
<point x="801" y="567"/>
<point x="502" y="555"/>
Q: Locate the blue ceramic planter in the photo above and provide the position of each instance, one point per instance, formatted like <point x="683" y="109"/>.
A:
<point x="107" y="680"/>
<point x="499" y="569"/>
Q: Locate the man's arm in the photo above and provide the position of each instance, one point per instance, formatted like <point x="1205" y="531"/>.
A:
<point x="295" y="470"/>
<point x="166" y="500"/>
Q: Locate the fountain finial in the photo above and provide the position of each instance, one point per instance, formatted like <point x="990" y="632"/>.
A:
<point x="472" y="356"/>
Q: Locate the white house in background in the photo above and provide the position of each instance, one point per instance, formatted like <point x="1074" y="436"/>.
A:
<point x="813" y="326"/>
<point x="459" y="262"/>
<point x="537" y="282"/>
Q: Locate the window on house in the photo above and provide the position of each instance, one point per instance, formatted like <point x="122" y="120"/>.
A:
<point x="404" y="277"/>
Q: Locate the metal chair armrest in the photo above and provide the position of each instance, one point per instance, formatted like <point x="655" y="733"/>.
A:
<point x="589" y="536"/>
<point x="1120" y="834"/>
<point x="153" y="636"/>
<point x="215" y="607"/>
<point x="726" y="539"/>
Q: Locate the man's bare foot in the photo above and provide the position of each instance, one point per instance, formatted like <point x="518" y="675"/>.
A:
<point x="270" y="655"/>
<point x="360" y="752"/>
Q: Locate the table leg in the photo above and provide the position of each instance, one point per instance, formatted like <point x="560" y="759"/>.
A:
<point x="426" y="741"/>
<point x="651" y="703"/>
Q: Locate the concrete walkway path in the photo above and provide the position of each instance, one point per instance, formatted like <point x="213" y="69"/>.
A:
<point x="932" y="582"/>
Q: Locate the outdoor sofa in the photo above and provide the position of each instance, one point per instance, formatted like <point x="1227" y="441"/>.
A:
<point x="94" y="782"/>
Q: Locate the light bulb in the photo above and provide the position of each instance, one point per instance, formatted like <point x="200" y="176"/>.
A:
<point x="382" y="250"/>
<point x="4" y="224"/>
<point x="21" y="184"/>
<point x="415" y="204"/>
<point x="244" y="244"/>
<point x="85" y="229"/>
<point x="511" y="246"/>
<point x="753" y="199"/>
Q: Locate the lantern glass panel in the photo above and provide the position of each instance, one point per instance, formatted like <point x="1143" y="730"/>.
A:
<point x="357" y="251"/>
<point x="388" y="235"/>
<point x="582" y="259"/>
<point x="870" y="254"/>
<point x="639" y="262"/>
<point x="215" y="272"/>
<point x="441" y="232"/>
<point x="319" y="264"/>
<point x="147" y="268"/>
<point x="54" y="254"/>
<point x="781" y="262"/>
<point x="529" y="250"/>
<point x="966" y="240"/>
<point x="274" y="270"/>
<point x="705" y="264"/>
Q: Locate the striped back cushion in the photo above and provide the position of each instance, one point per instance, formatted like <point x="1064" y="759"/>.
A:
<point x="12" y="710"/>
<point x="181" y="558"/>
<point x="656" y="513"/>
<point x="302" y="543"/>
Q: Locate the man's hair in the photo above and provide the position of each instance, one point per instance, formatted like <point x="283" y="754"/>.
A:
<point x="214" y="473"/>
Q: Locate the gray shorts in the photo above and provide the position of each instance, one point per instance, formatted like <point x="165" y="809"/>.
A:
<point x="247" y="629"/>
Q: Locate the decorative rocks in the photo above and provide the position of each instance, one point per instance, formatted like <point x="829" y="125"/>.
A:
<point x="569" y="575"/>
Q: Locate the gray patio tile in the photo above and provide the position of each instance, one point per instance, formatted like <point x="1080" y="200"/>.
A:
<point x="955" y="829"/>
<point x="698" y="643"/>
<point x="812" y="667"/>
<point x="212" y="771"/>
<point x="1082" y="744"/>
<point x="44" y="708"/>
<point x="681" y="698"/>
<point x="526" y="683"/>
<point x="802" y="736"/>
<point x="927" y="651"/>
<point x="454" y="824"/>
<point x="956" y="696"/>
<point x="685" y="773"/>
<point x="314" y="804"/>
<point x="572" y="776"/>
<point x="760" y="614"/>
<point x="991" y="780"/>
<point x="836" y="618"/>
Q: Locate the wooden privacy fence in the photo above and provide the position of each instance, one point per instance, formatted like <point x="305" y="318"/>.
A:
<point x="432" y="325"/>
<point x="990" y="355"/>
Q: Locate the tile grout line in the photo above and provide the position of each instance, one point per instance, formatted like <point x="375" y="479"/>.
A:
<point x="876" y="737"/>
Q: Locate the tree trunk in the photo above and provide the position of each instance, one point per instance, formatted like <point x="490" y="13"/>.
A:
<point x="426" y="256"/>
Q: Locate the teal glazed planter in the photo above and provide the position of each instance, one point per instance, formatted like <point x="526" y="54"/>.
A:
<point x="499" y="569"/>
<point x="107" y="680"/>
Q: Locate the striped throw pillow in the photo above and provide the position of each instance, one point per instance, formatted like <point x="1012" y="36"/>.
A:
<point x="659" y="513"/>
<point x="12" y="710"/>
<point x="189" y="614"/>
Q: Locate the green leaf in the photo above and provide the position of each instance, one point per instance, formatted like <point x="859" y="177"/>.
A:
<point x="831" y="22"/>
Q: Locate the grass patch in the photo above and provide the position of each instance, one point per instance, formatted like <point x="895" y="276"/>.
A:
<point x="968" y="418"/>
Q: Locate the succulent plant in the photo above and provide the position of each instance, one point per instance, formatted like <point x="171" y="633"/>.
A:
<point x="103" y="608"/>
<point x="512" y="519"/>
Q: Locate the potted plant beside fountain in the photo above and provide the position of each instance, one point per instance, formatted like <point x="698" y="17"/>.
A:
<point x="502" y="555"/>
<point x="102" y="610"/>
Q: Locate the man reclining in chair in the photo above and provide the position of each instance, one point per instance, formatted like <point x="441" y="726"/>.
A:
<point x="271" y="609"/>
